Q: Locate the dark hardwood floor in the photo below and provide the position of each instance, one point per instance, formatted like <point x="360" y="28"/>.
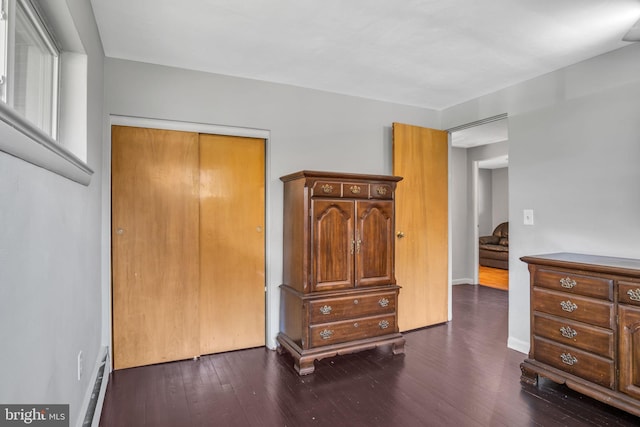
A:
<point x="456" y="374"/>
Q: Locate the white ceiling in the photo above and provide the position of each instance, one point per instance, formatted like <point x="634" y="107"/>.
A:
<point x="427" y="53"/>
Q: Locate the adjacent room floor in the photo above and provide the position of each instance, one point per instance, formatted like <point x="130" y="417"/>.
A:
<point x="493" y="277"/>
<point x="456" y="374"/>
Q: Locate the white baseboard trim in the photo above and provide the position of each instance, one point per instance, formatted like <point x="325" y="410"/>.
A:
<point x="461" y="281"/>
<point x="518" y="345"/>
<point x="95" y="395"/>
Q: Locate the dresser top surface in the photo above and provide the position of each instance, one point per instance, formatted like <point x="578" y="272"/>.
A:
<point x="587" y="262"/>
<point x="339" y="176"/>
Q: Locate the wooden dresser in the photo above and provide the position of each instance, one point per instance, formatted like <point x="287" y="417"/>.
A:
<point x="339" y="293"/>
<point x="585" y="326"/>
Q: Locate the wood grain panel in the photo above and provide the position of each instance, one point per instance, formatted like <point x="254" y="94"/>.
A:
<point x="232" y="243"/>
<point x="420" y="156"/>
<point x="154" y="246"/>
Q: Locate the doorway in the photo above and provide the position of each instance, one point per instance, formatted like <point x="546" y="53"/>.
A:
<point x="478" y="149"/>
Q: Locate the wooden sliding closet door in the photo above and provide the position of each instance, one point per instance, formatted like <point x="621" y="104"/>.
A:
<point x="155" y="238"/>
<point x="232" y="243"/>
<point x="420" y="156"/>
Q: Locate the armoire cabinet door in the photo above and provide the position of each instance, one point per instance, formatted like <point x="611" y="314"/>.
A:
<point x="374" y="243"/>
<point x="629" y="341"/>
<point x="333" y="245"/>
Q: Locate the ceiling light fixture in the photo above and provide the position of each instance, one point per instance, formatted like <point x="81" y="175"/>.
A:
<point x="633" y="35"/>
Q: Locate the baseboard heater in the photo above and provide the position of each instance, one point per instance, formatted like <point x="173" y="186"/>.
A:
<point x="98" y="392"/>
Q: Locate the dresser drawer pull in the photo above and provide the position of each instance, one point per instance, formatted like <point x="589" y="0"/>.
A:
<point x="634" y="294"/>
<point x="381" y="191"/>
<point x="354" y="189"/>
<point x="325" y="334"/>
<point x="355" y="301"/>
<point x="568" y="359"/>
<point x="355" y="325"/>
<point x="325" y="309"/>
<point x="327" y="188"/>
<point x="568" y="306"/>
<point x="384" y="324"/>
<point x="567" y="282"/>
<point x="383" y="302"/>
<point x="567" y="332"/>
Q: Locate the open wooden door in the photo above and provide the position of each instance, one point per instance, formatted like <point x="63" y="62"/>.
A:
<point x="420" y="156"/>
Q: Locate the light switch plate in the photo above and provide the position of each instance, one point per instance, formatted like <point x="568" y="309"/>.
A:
<point x="528" y="216"/>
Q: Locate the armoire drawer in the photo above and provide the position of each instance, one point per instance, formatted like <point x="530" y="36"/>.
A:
<point x="350" y="330"/>
<point x="326" y="189"/>
<point x="580" y="363"/>
<point x="576" y="334"/>
<point x="564" y="281"/>
<point x="355" y="190"/>
<point x="629" y="292"/>
<point x="574" y="307"/>
<point x="340" y="308"/>
<point x="381" y="191"/>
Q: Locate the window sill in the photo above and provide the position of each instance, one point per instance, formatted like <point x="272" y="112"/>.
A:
<point x="21" y="139"/>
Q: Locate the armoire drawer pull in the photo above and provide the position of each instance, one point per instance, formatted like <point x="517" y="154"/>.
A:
<point x="381" y="191"/>
<point x="568" y="306"/>
<point x="325" y="309"/>
<point x="325" y="334"/>
<point x="568" y="359"/>
<point x="384" y="324"/>
<point x="354" y="189"/>
<point x="355" y="301"/>
<point x="567" y="332"/>
<point x="568" y="283"/>
<point x="634" y="294"/>
<point x="327" y="188"/>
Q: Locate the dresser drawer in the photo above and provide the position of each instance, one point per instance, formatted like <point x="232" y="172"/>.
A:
<point x="576" y="334"/>
<point x="629" y="292"/>
<point x="574" y="307"/>
<point x="580" y="363"/>
<point x="591" y="286"/>
<point x="349" y="330"/>
<point x="340" y="308"/>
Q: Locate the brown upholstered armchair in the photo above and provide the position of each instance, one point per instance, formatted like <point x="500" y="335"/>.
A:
<point x="494" y="249"/>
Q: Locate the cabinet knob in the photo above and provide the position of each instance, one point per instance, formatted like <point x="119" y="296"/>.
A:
<point x="325" y="309"/>
<point x="400" y="234"/>
<point x="568" y="359"/>
<point x="568" y="306"/>
<point x="634" y="295"/>
<point x="567" y="332"/>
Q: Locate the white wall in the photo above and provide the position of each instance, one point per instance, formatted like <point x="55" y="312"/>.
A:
<point x="460" y="206"/>
<point x="309" y="130"/>
<point x="50" y="282"/>
<point x="485" y="202"/>
<point x="499" y="196"/>
<point x="573" y="158"/>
